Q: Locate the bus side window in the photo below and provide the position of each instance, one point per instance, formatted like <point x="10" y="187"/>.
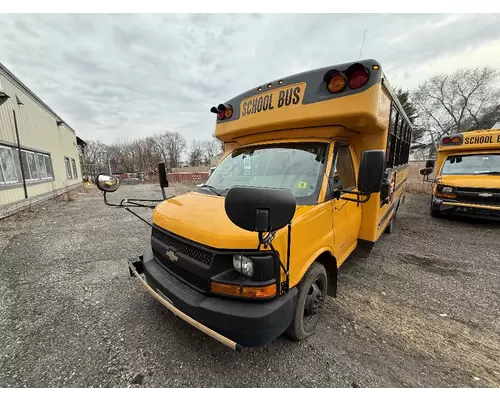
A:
<point x="342" y="175"/>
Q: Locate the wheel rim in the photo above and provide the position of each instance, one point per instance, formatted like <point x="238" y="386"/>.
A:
<point x="315" y="300"/>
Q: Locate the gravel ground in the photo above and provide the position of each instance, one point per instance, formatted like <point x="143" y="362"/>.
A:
<point x="421" y="310"/>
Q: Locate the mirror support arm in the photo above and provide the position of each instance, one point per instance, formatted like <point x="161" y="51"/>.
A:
<point x="357" y="200"/>
<point x="267" y="241"/>
<point x="358" y="194"/>
<point x="138" y="216"/>
<point x="131" y="202"/>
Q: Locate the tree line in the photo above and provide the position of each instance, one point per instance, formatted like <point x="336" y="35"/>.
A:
<point x="465" y="100"/>
<point x="143" y="155"/>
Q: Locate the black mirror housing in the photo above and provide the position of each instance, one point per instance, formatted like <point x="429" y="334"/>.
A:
<point x="371" y="171"/>
<point x="426" y="171"/>
<point x="430" y="164"/>
<point x="259" y="209"/>
<point x="162" y="175"/>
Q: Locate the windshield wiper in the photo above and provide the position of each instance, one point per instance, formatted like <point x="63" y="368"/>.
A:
<point x="488" y="173"/>
<point x="212" y="189"/>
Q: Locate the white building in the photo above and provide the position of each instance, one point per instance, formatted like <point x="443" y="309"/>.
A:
<point x="38" y="149"/>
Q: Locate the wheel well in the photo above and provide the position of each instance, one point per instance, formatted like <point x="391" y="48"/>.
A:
<point x="330" y="264"/>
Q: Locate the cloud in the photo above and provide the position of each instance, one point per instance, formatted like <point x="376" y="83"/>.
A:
<point x="125" y="76"/>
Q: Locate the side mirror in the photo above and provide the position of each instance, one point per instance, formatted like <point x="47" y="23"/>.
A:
<point x="107" y="183"/>
<point x="371" y="171"/>
<point x="430" y="164"/>
<point x="259" y="209"/>
<point x="426" y="171"/>
<point x="162" y="175"/>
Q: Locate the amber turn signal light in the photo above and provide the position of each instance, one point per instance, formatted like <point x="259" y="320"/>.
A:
<point x="254" y="292"/>
<point x="337" y="83"/>
<point x="446" y="195"/>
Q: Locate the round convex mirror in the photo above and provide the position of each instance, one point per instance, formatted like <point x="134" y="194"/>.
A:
<point x="107" y="183"/>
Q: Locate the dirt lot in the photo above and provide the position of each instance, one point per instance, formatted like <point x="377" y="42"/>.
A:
<point x="422" y="310"/>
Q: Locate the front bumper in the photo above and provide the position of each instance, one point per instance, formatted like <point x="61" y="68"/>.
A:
<point x="233" y="322"/>
<point x="454" y="207"/>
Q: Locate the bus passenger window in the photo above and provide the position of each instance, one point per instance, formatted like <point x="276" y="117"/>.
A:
<point x="343" y="176"/>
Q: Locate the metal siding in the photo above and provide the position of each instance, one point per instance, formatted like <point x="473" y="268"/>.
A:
<point x="37" y="130"/>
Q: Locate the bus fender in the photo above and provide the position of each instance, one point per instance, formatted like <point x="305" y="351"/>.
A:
<point x="330" y="263"/>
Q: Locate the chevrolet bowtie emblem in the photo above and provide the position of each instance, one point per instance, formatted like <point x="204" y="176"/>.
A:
<point x="171" y="256"/>
<point x="485" y="194"/>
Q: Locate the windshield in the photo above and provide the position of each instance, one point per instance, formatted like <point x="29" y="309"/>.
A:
<point x="474" y="164"/>
<point x="298" y="167"/>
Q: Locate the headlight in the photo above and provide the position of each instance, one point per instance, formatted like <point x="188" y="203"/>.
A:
<point x="447" y="189"/>
<point x="243" y="265"/>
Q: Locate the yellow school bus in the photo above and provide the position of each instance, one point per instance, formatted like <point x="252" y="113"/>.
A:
<point x="314" y="167"/>
<point x="467" y="178"/>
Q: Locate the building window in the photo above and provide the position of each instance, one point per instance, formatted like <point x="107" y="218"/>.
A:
<point x="44" y="166"/>
<point x="75" y="171"/>
<point x="8" y="172"/>
<point x="33" y="166"/>
<point x="68" y="168"/>
<point x="36" y="166"/>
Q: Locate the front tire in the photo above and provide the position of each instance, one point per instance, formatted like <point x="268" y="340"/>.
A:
<point x="390" y="226"/>
<point x="312" y="293"/>
<point x="435" y="213"/>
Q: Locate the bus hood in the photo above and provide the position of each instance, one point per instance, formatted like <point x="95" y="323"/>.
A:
<point x="201" y="218"/>
<point x="471" y="181"/>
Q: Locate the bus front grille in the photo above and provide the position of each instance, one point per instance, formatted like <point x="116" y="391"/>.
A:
<point x="191" y="279"/>
<point x="479" y="196"/>
<point x="183" y="247"/>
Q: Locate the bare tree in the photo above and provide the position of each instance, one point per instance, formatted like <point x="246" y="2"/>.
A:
<point x="171" y="144"/>
<point x="211" y="148"/>
<point x="195" y="154"/>
<point x="94" y="158"/>
<point x="457" y="102"/>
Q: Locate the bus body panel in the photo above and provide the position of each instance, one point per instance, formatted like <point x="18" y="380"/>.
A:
<point x="357" y="112"/>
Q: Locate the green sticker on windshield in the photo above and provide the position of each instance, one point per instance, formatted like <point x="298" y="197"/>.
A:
<point x="302" y="185"/>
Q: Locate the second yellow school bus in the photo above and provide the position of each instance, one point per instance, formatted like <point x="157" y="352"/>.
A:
<point x="467" y="179"/>
<point x="337" y="139"/>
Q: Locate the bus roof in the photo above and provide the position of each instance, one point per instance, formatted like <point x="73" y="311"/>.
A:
<point x="487" y="139"/>
<point x="263" y="108"/>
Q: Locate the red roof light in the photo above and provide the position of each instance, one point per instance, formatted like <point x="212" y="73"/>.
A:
<point x="357" y="76"/>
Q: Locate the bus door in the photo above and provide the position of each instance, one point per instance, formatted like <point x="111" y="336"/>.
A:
<point x="346" y="214"/>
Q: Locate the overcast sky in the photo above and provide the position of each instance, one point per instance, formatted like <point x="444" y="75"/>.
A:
<point x="129" y="76"/>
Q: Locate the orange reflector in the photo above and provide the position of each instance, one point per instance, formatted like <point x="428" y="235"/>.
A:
<point x="375" y="67"/>
<point x="447" y="195"/>
<point x="456" y="139"/>
<point x="228" y="112"/>
<point x="255" y="292"/>
<point x="337" y="83"/>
